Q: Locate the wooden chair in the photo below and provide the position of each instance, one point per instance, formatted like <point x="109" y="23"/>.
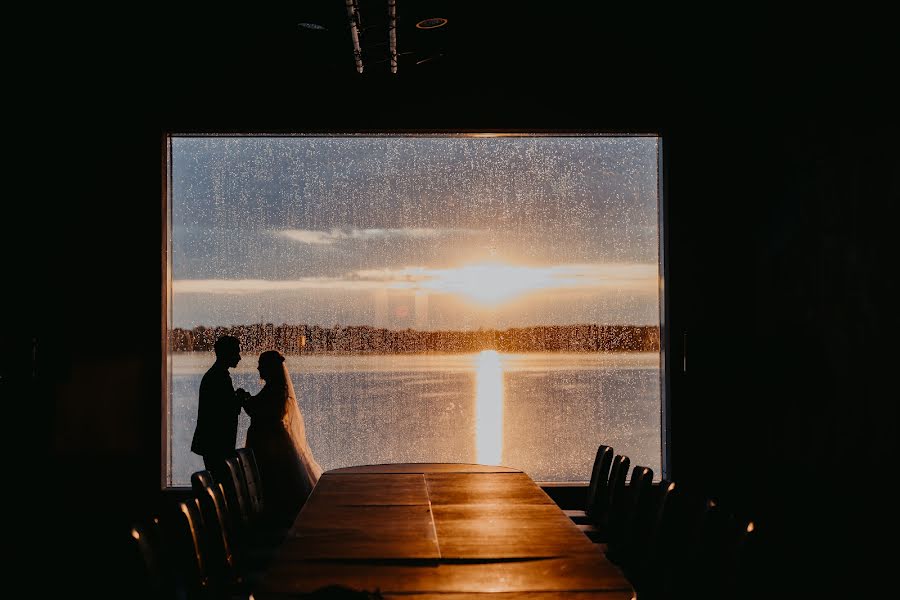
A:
<point x="598" y="486"/>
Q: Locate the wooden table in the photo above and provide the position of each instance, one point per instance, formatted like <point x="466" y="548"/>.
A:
<point x="441" y="531"/>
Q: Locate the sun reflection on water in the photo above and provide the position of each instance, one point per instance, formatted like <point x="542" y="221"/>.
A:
<point x="489" y="408"/>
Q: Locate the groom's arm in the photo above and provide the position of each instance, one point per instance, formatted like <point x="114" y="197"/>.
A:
<point x="240" y="399"/>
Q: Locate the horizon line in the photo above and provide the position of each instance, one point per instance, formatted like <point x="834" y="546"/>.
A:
<point x="338" y="325"/>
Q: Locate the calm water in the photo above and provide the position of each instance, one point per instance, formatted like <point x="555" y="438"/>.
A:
<point x="542" y="413"/>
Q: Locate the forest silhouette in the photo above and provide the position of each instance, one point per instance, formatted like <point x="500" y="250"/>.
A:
<point x="364" y="339"/>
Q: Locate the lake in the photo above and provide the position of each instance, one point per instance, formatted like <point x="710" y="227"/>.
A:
<point x="543" y="413"/>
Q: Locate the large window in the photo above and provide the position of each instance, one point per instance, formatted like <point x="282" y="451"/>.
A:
<point x="439" y="298"/>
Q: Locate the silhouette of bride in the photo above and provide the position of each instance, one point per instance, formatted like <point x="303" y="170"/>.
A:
<point x="277" y="436"/>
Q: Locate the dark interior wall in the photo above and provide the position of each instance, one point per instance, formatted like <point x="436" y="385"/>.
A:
<point x="781" y="168"/>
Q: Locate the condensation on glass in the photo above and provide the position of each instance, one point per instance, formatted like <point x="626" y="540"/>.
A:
<point x="439" y="298"/>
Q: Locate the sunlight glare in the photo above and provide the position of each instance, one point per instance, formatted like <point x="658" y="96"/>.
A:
<point x="489" y="408"/>
<point x="492" y="283"/>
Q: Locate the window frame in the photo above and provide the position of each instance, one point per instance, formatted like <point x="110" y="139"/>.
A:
<point x="665" y="315"/>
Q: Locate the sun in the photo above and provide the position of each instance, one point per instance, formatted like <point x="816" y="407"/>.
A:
<point x="489" y="283"/>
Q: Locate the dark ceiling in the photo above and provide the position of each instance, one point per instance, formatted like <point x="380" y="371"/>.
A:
<point x="607" y="48"/>
<point x="472" y="37"/>
<point x="555" y="64"/>
<point x="588" y="40"/>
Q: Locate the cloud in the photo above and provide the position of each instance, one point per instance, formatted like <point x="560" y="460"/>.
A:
<point x="311" y="236"/>
<point x="255" y="286"/>
<point x="485" y="282"/>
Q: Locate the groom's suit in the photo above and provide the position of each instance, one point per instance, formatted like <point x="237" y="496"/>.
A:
<point x="217" y="419"/>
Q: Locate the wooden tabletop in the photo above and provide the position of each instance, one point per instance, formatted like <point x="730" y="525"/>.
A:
<point x="442" y="531"/>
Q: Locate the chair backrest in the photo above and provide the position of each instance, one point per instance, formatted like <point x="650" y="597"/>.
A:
<point x="247" y="460"/>
<point x="645" y="545"/>
<point x="640" y="492"/>
<point x="623" y="513"/>
<point x="201" y="479"/>
<point x="615" y="490"/>
<point x="642" y="516"/>
<point x="599" y="478"/>
<point x="153" y="577"/>
<point x="236" y="494"/>
<point x="741" y="556"/>
<point x="219" y="537"/>
<point x="674" y="561"/>
<point x="720" y="549"/>
<point x="184" y="540"/>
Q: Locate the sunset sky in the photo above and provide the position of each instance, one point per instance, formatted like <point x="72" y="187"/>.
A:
<point x="423" y="232"/>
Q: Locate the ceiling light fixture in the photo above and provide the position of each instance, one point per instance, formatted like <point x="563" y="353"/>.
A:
<point x="353" y="16"/>
<point x="430" y="58"/>
<point x="313" y="26"/>
<point x="431" y="23"/>
<point x="392" y="29"/>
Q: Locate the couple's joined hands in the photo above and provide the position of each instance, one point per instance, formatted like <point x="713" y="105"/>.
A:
<point x="241" y="394"/>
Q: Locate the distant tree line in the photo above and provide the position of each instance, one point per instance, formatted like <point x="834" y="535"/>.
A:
<point x="363" y="339"/>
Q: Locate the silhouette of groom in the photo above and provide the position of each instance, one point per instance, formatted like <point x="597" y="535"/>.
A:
<point x="218" y="410"/>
